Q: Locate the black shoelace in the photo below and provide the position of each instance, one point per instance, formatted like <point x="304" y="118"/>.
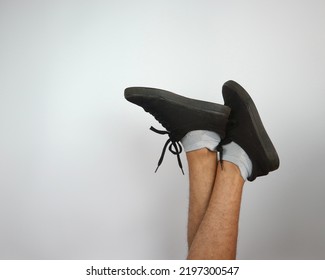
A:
<point x="220" y="149"/>
<point x="231" y="125"/>
<point x="174" y="147"/>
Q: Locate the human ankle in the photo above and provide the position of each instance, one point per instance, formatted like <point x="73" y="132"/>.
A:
<point x="233" y="153"/>
<point x="198" y="139"/>
<point x="201" y="153"/>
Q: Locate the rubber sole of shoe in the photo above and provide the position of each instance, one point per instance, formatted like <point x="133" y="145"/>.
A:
<point x="232" y="92"/>
<point x="133" y="94"/>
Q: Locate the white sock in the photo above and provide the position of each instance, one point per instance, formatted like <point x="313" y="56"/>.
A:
<point x="198" y="139"/>
<point x="235" y="154"/>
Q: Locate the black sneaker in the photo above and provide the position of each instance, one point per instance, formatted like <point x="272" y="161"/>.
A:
<point x="246" y="129"/>
<point x="179" y="115"/>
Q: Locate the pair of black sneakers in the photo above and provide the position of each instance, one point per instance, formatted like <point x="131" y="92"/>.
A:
<point x="237" y="120"/>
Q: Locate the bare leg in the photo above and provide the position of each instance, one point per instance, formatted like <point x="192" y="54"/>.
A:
<point x="215" y="193"/>
<point x="216" y="237"/>
<point x="202" y="171"/>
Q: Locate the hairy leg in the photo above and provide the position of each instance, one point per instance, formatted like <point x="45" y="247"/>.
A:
<point x="217" y="235"/>
<point x="202" y="172"/>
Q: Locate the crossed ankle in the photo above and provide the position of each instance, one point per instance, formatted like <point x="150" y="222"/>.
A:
<point x="203" y="141"/>
<point x="232" y="152"/>
<point x="199" y="139"/>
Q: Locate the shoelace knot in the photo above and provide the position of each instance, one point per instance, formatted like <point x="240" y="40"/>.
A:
<point x="173" y="145"/>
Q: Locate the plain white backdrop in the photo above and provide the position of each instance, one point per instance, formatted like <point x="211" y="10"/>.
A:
<point x="77" y="160"/>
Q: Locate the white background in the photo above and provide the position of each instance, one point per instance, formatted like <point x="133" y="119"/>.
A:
<point x="77" y="160"/>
